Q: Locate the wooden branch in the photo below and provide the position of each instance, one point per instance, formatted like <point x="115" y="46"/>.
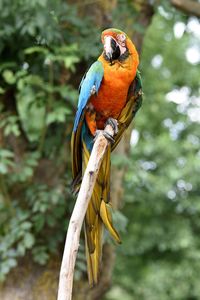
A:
<point x="78" y="214"/>
<point x="189" y="7"/>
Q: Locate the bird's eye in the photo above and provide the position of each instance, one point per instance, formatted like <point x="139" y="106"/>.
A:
<point x="121" y="37"/>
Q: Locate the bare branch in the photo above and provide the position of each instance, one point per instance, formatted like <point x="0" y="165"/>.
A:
<point x="76" y="221"/>
<point x="189" y="7"/>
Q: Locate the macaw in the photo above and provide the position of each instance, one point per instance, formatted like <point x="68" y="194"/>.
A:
<point x="110" y="93"/>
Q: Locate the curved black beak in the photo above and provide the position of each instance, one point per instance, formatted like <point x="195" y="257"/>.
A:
<point x="109" y="55"/>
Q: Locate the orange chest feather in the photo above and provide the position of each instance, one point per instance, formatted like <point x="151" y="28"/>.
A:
<point x="112" y="94"/>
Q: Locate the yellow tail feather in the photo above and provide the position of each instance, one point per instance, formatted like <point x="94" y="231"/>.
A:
<point x="98" y="214"/>
<point x="107" y="220"/>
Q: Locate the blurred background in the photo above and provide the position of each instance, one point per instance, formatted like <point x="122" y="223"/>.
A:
<point x="45" y="48"/>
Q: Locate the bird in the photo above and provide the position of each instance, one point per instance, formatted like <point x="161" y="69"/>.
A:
<point x="110" y="93"/>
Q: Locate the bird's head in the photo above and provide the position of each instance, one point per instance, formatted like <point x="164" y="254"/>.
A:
<point x="116" y="44"/>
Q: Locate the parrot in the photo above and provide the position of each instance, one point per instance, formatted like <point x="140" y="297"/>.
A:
<point x="109" y="93"/>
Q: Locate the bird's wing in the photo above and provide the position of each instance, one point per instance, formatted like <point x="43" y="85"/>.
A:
<point x="133" y="103"/>
<point x="92" y="80"/>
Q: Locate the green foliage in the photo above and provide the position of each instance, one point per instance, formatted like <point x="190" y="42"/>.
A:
<point x="6" y="157"/>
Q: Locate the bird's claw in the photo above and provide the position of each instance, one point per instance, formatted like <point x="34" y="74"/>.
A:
<point x="113" y="123"/>
<point x="107" y="135"/>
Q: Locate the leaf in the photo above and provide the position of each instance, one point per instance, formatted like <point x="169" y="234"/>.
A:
<point x="57" y="115"/>
<point x="21" y="250"/>
<point x="6" y="153"/>
<point x="2" y="91"/>
<point x="9" y="76"/>
<point x="26" y="225"/>
<point x="29" y="240"/>
<point x="36" y="49"/>
<point x="12" y="128"/>
<point x="3" y="168"/>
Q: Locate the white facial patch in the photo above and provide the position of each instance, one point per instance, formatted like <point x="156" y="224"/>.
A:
<point x="107" y="43"/>
<point x="121" y="38"/>
<point x="121" y="41"/>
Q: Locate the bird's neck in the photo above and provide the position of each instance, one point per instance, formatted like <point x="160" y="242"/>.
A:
<point x="133" y="53"/>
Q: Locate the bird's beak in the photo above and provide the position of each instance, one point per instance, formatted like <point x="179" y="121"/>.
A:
<point x="108" y="48"/>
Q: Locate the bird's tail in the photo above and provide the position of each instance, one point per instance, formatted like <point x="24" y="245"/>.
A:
<point x="98" y="213"/>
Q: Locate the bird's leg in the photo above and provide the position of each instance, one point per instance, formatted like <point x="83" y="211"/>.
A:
<point x="114" y="124"/>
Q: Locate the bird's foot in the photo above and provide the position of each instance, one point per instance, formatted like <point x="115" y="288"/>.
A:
<point x="113" y="123"/>
<point x="106" y="134"/>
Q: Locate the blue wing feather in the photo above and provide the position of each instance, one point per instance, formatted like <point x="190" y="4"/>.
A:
<point x="93" y="77"/>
